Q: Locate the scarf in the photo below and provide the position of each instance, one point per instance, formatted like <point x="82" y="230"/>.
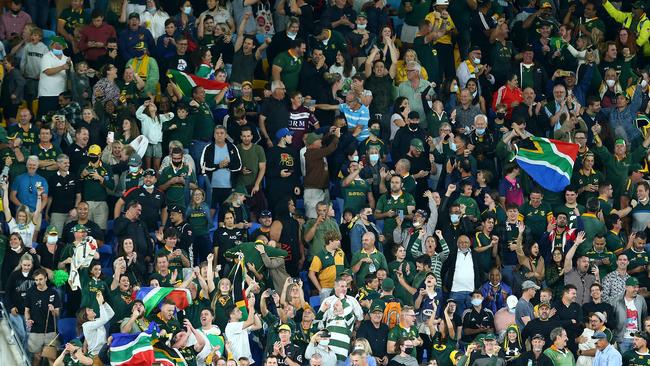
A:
<point x="141" y="66"/>
<point x="471" y="68"/>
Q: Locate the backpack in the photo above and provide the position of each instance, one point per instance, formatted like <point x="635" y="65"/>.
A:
<point x="392" y="312"/>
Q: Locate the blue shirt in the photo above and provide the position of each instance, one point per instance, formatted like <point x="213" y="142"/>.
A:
<point x="25" y="187"/>
<point x="608" y="357"/>
<point x="360" y="117"/>
<point x="221" y="177"/>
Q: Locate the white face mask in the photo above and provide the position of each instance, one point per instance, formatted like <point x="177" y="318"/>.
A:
<point x="454" y="88"/>
<point x="477" y="61"/>
<point x="374" y="158"/>
<point x="145" y="186"/>
<point x="292" y="35"/>
<point x="355" y="158"/>
<point x="610" y="83"/>
<point x="361" y="26"/>
<point x="133" y="169"/>
<point x="187" y="10"/>
<point x="644" y="83"/>
<point x="52" y="239"/>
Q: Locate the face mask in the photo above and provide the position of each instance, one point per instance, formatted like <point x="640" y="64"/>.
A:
<point x="94" y="159"/>
<point x="454" y="88"/>
<point x="145" y="186"/>
<point x="408" y="349"/>
<point x="133" y="169"/>
<point x="610" y="83"/>
<point x="371" y="218"/>
<point x="477" y="61"/>
<point x="644" y="83"/>
<point x="51" y="239"/>
<point x="414" y="126"/>
<point x="476" y="302"/>
<point x="361" y="26"/>
<point x="151" y="10"/>
<point x="15" y="12"/>
<point x="324" y="342"/>
<point x="417" y="224"/>
<point x="373" y="158"/>
<point x="292" y="35"/>
<point x="455" y="218"/>
<point x="177" y="165"/>
<point x="355" y="158"/>
<point x="501" y="115"/>
<point x="57" y="52"/>
<point x="375" y="131"/>
<point x="480" y="131"/>
<point x="452" y="146"/>
<point x="187" y="10"/>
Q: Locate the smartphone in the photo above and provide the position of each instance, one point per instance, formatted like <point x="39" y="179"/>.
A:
<point x="110" y="137"/>
<point x="400" y="213"/>
<point x="310" y="103"/>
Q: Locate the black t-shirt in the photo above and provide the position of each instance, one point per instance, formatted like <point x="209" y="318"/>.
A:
<point x="276" y="113"/>
<point x="292" y="351"/>
<point x="37" y="302"/>
<point x="377" y="337"/>
<point x="480" y="23"/>
<point x="78" y="158"/>
<point x="473" y="319"/>
<point x="93" y="230"/>
<point x="226" y="238"/>
<point x="245" y="66"/>
<point x="152" y="203"/>
<point x="63" y="191"/>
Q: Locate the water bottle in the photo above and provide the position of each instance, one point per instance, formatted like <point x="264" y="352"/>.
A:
<point x="530" y="362"/>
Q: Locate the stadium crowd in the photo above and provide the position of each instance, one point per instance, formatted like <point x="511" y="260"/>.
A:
<point x="326" y="183"/>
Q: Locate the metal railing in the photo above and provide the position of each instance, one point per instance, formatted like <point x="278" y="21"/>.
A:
<point x="13" y="339"/>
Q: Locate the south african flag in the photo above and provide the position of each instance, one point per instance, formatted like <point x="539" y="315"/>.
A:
<point x="548" y="162"/>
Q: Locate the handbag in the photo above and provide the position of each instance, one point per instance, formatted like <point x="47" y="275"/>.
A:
<point x="50" y="351"/>
<point x="264" y="19"/>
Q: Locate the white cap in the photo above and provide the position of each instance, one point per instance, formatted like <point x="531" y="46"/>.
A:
<point x="512" y="301"/>
<point x="442" y="2"/>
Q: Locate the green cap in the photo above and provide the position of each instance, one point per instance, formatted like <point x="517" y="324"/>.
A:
<point x="60" y="40"/>
<point x="388" y="284"/>
<point x="362" y="15"/>
<point x="631" y="281"/>
<point x="377" y="306"/>
<point x="77" y="228"/>
<point x="619" y="142"/>
<point x="479" y="339"/>
<point x="417" y="144"/>
<point x="76" y="342"/>
<point x="241" y="190"/>
<point x="490" y="337"/>
<point x="313" y="137"/>
<point x="634" y="168"/>
<point x="544" y="303"/>
<point x="638" y="4"/>
<point x="52" y="230"/>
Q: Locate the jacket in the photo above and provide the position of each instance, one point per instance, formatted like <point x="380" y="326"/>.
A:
<point x="449" y="269"/>
<point x="403" y="236"/>
<point x="620" y="310"/>
<point x="207" y="165"/>
<point x="357" y="231"/>
<point x="152" y="129"/>
<point x="642" y="28"/>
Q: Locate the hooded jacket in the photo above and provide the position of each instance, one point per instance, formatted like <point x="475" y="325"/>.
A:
<point x="207" y="165"/>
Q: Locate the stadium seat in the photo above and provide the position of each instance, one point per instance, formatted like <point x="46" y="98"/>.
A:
<point x="314" y="302"/>
<point x="254" y="226"/>
<point x="67" y="328"/>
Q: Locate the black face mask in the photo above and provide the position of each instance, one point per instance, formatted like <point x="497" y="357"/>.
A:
<point x="414" y="127"/>
<point x="177" y="164"/>
<point x="94" y="159"/>
<point x="408" y="349"/>
<point x="14" y="12"/>
<point x="501" y="115"/>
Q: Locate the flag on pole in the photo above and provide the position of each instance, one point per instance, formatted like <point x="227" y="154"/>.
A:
<point x="239" y="286"/>
<point x="152" y="296"/>
<point x="133" y="349"/>
<point x="186" y="82"/>
<point x="548" y="162"/>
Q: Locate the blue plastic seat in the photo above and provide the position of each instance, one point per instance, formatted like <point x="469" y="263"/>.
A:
<point x="314" y="302"/>
<point x="67" y="328"/>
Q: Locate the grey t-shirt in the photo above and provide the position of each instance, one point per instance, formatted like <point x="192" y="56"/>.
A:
<point x="524" y="308"/>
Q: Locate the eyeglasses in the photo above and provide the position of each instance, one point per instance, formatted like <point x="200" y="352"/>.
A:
<point x="181" y="44"/>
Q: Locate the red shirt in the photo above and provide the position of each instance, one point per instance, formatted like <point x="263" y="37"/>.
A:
<point x="97" y="34"/>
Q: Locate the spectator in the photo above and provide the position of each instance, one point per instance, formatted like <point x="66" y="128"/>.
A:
<point x="42" y="307"/>
<point x="629" y="311"/>
<point x="53" y="76"/>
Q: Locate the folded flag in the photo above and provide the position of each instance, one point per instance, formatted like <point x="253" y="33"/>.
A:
<point x="186" y="82"/>
<point x="165" y="355"/>
<point x="548" y="162"/>
<point x="152" y="296"/>
<point x="133" y="349"/>
<point x="239" y="286"/>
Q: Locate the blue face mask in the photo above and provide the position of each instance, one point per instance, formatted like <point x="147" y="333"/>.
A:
<point x="476" y="302"/>
<point x="187" y="10"/>
<point x="371" y="218"/>
<point x="57" y="52"/>
<point x="454" y="218"/>
<point x="452" y="146"/>
<point x="373" y="158"/>
<point x="480" y="131"/>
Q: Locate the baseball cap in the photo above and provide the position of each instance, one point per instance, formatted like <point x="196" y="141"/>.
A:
<point x="376" y="306"/>
<point x="134" y="15"/>
<point x="512" y="301"/>
<point x="546" y="5"/>
<point x="420" y="211"/>
<point x="135" y="160"/>
<point x="388" y="284"/>
<point x="601" y="316"/>
<point x="414" y="115"/>
<point x="638" y="4"/>
<point x="284" y="327"/>
<point x="265" y="213"/>
<point x="94" y="150"/>
<point x="176" y="208"/>
<point x="631" y="281"/>
<point x="241" y="190"/>
<point x="529" y="284"/>
<point x="544" y="303"/>
<point x="79" y="227"/>
<point x="599" y="335"/>
<point x="283" y="132"/>
<point x="313" y="137"/>
<point x="417" y="144"/>
<point x="58" y="40"/>
<point x="52" y="230"/>
<point x="149" y="172"/>
<point x="362" y="15"/>
<point x="76" y="342"/>
<point x="642" y="334"/>
<point x="620" y="142"/>
<point x="490" y="337"/>
<point x="442" y="2"/>
<point x="538" y="336"/>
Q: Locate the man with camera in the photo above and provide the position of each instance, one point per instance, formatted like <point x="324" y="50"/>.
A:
<point x="319" y="346"/>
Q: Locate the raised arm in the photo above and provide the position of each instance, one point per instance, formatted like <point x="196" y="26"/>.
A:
<point x="568" y="261"/>
<point x="5" y="201"/>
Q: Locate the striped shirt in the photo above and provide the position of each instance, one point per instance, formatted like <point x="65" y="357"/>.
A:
<point x="340" y="326"/>
<point x="360" y="117"/>
<point x="437" y="260"/>
<point x="340" y="335"/>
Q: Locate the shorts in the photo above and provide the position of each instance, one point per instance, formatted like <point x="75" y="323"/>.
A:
<point x="154" y="151"/>
<point x="37" y="341"/>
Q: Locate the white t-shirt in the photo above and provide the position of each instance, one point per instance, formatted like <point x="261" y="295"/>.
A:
<point x="238" y="337"/>
<point x="464" y="275"/>
<point x="26" y="231"/>
<point x="53" y="85"/>
<point x="631" y="318"/>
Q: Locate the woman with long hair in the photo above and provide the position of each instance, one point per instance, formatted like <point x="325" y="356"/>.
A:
<point x="409" y="55"/>
<point x="93" y="327"/>
<point x="626" y="46"/>
<point x="135" y="268"/>
<point x="25" y="223"/>
<point x="554" y="275"/>
<point x="222" y="300"/>
<point x="512" y="346"/>
<point x="477" y="98"/>
<point x="152" y="129"/>
<point x="14" y="255"/>
<point x="96" y="130"/>
<point x="106" y="88"/>
<point x="16" y="287"/>
<point x="401" y="110"/>
<point x="450" y="93"/>
<point x="343" y="66"/>
<point x="130" y="130"/>
<point x="200" y="220"/>
<point x="531" y="262"/>
<point x="227" y="236"/>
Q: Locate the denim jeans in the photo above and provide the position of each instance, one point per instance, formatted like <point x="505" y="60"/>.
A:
<point x="18" y="323"/>
<point x="625" y="345"/>
<point x="462" y="300"/>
